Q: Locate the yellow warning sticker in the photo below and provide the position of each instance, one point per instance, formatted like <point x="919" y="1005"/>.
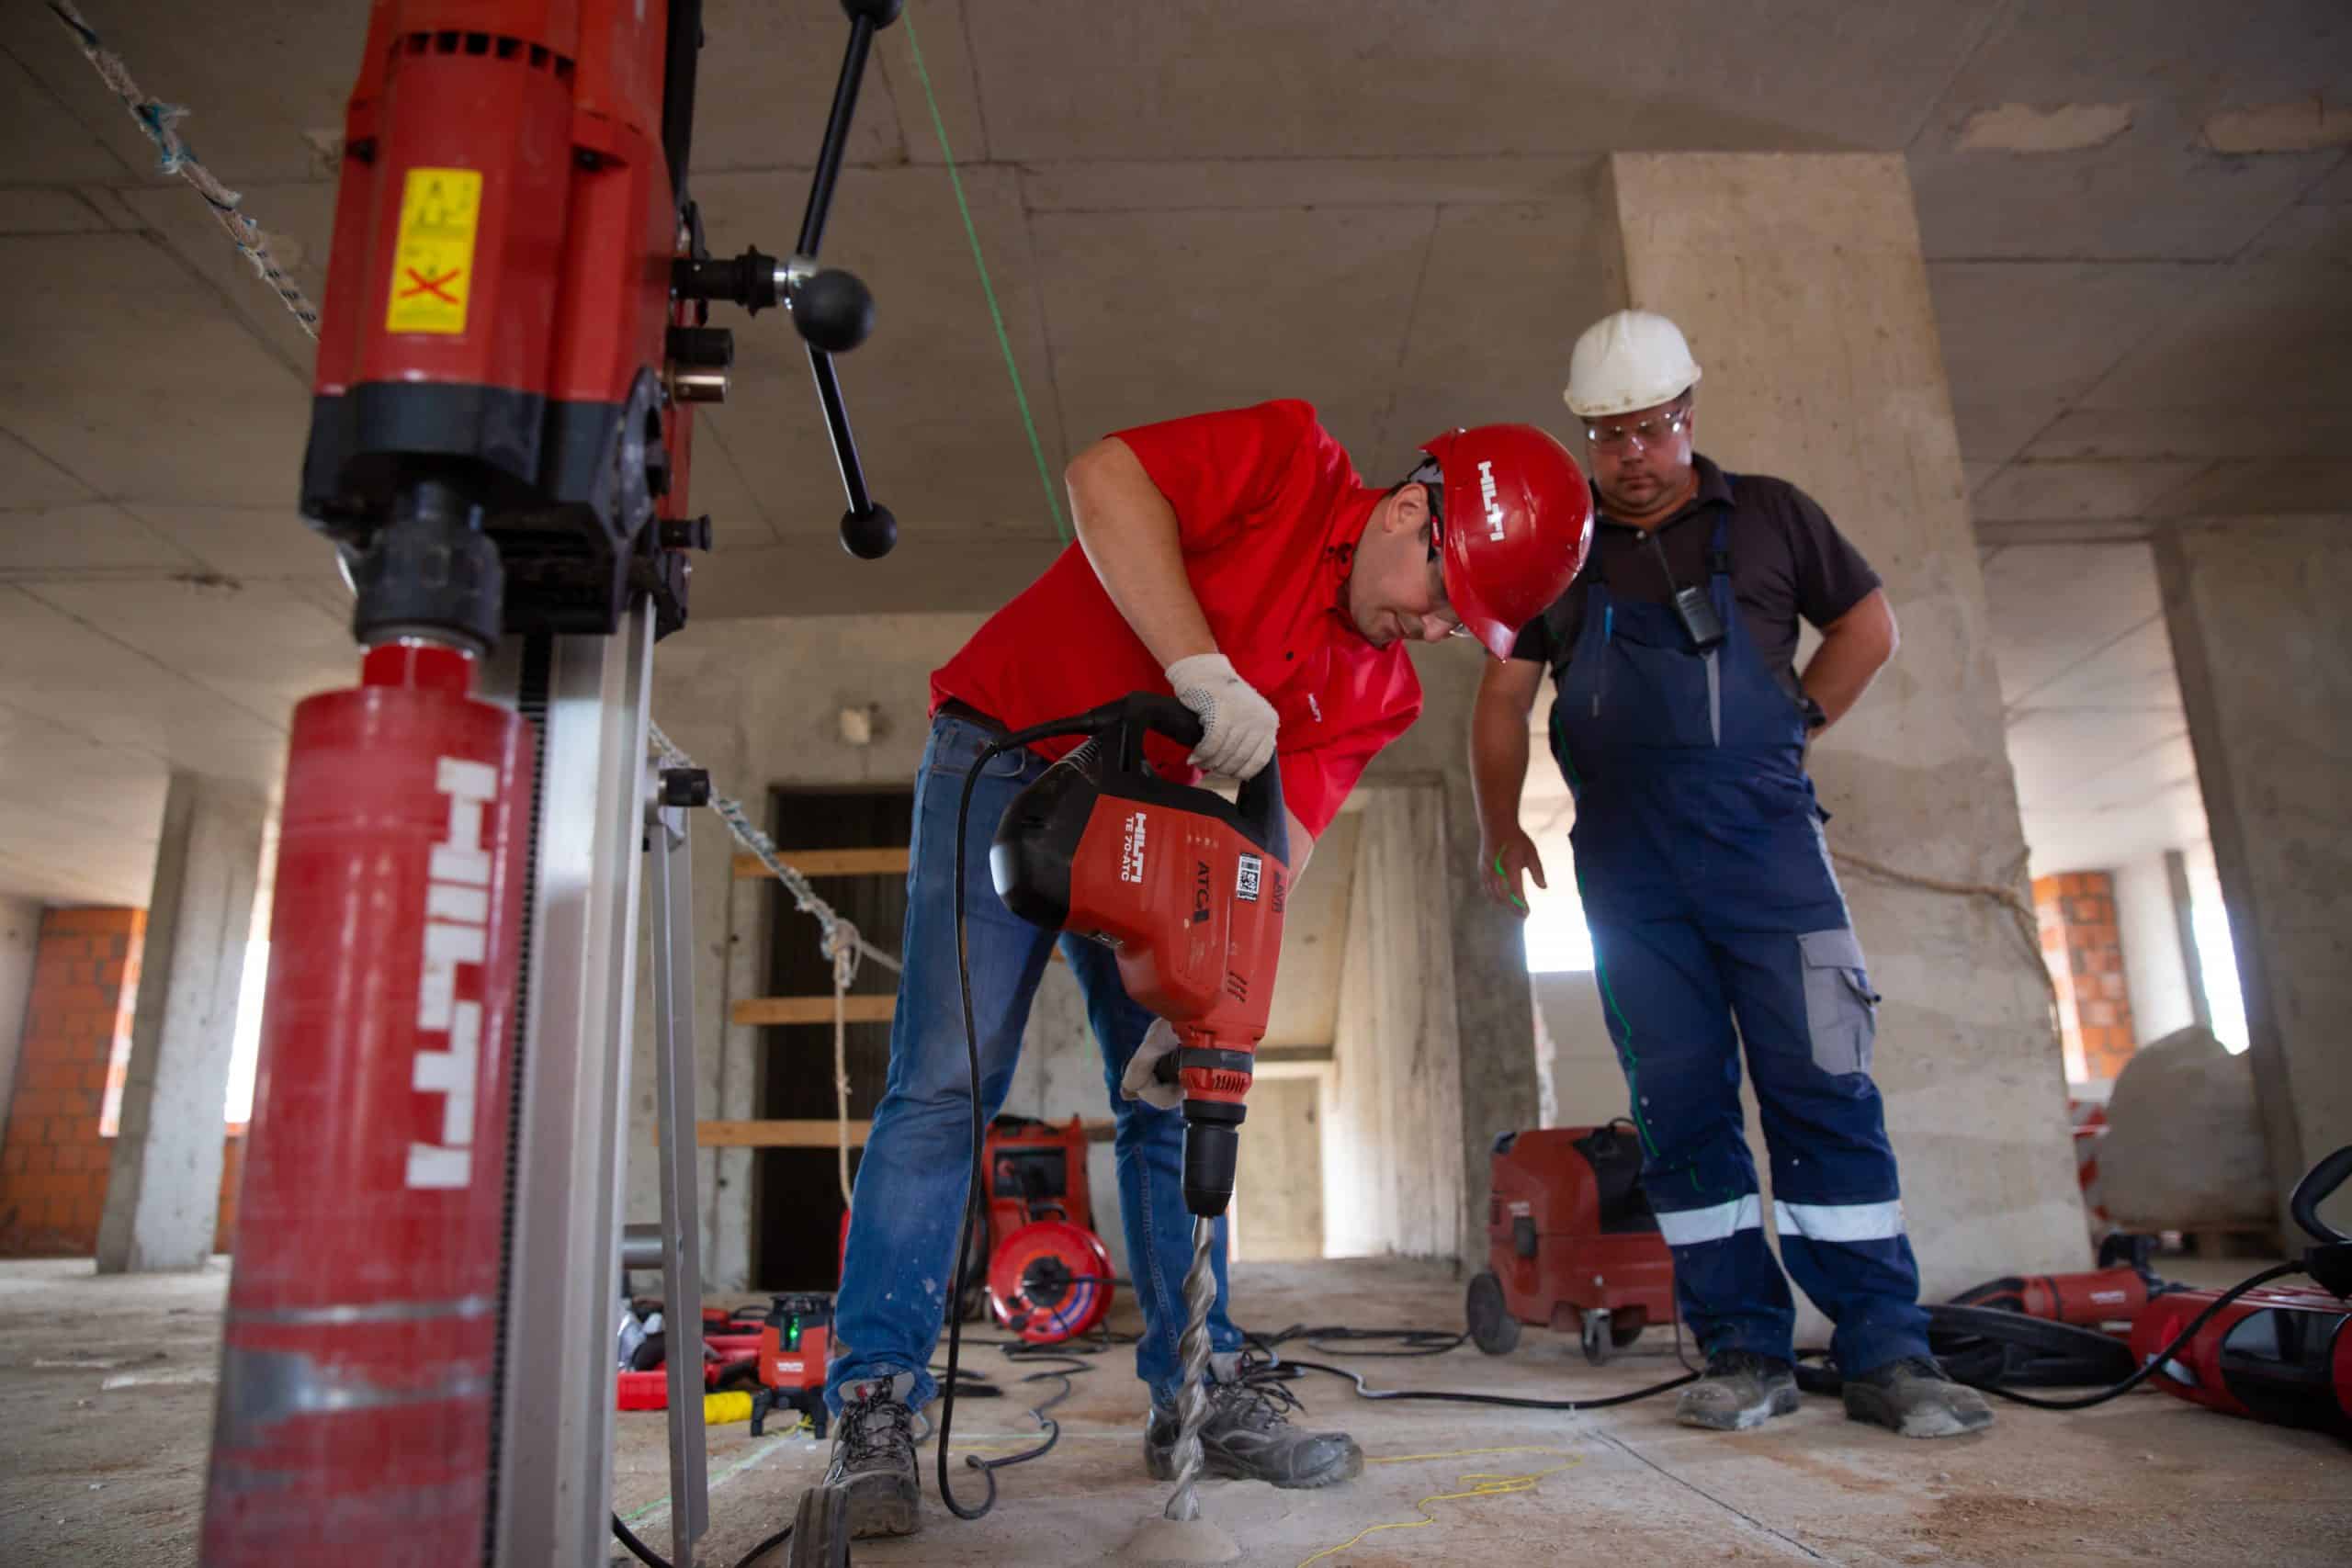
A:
<point x="433" y="269"/>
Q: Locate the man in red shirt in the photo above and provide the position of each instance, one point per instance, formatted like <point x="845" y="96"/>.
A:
<point x="1234" y="559"/>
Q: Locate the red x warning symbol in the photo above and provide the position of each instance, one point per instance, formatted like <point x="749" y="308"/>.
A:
<point x="437" y="287"/>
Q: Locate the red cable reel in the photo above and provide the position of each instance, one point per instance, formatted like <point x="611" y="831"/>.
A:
<point x="1050" y="1282"/>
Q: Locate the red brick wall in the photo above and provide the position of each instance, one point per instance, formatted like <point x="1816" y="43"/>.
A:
<point x="2085" y="957"/>
<point x="54" y="1160"/>
<point x="232" y="1168"/>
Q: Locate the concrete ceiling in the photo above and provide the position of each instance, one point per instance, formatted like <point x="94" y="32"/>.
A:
<point x="2137" y="217"/>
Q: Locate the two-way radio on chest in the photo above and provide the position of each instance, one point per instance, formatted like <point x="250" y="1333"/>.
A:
<point x="1694" y="606"/>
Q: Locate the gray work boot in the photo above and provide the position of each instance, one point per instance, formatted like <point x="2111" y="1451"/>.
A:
<point x="874" y="1457"/>
<point x="1913" y="1396"/>
<point x="1248" y="1437"/>
<point x="1741" y="1389"/>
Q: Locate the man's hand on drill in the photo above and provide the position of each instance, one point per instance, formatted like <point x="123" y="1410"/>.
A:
<point x="1236" y="724"/>
<point x="1141" y="1080"/>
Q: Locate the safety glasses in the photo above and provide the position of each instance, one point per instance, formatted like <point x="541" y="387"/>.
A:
<point x="1641" y="435"/>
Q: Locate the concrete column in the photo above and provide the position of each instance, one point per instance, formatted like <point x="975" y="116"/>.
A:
<point x="2184" y="913"/>
<point x="2255" y="611"/>
<point x="1484" y="1032"/>
<point x="1392" y="1167"/>
<point x="2153" y="963"/>
<point x="19" y="939"/>
<point x="161" y="1199"/>
<point x="1799" y="280"/>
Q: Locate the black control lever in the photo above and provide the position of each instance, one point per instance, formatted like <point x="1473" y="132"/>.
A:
<point x="867" y="530"/>
<point x="832" y="310"/>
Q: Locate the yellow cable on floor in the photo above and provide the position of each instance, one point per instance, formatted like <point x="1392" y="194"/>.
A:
<point x="1488" y="1485"/>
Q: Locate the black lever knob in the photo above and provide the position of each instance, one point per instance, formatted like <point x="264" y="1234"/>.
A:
<point x="833" y="311"/>
<point x="869" y="535"/>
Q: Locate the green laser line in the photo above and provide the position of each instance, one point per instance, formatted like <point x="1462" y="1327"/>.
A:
<point x="1028" y="422"/>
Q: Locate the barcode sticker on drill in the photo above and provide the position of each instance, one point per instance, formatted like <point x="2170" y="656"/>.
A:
<point x="1245" y="882"/>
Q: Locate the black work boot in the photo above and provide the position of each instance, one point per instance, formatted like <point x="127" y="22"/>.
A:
<point x="1913" y="1396"/>
<point x="1248" y="1437"/>
<point x="874" y="1457"/>
<point x="1741" y="1389"/>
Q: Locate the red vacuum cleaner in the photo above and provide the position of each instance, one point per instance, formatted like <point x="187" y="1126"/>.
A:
<point x="1571" y="1242"/>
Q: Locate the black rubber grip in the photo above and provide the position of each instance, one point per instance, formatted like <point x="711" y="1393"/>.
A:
<point x="2314" y="1189"/>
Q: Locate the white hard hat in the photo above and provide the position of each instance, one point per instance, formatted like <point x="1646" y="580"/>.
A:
<point x="1628" y="360"/>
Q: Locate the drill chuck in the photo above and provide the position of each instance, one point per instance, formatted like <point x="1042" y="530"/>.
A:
<point x="1211" y="1150"/>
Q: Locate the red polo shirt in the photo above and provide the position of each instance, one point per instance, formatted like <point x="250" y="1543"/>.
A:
<point x="1268" y="511"/>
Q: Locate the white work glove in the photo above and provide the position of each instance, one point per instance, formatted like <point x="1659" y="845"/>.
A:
<point x="1236" y="724"/>
<point x="1138" y="1083"/>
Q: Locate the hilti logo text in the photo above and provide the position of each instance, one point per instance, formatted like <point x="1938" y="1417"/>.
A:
<point x="1131" y="850"/>
<point x="1486" y="500"/>
<point x="457" y="931"/>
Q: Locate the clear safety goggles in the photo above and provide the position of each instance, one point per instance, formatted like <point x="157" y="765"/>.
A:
<point x="1641" y="435"/>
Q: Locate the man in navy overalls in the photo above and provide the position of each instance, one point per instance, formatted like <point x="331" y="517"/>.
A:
<point x="1682" y="726"/>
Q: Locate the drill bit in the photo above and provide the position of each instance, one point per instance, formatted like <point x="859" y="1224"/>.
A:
<point x="1192" y="1347"/>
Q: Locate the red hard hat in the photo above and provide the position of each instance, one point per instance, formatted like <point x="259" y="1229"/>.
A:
<point x="1517" y="523"/>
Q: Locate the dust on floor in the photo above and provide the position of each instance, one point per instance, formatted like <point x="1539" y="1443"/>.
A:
<point x="104" y="1413"/>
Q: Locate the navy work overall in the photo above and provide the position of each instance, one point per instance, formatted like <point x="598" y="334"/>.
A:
<point x="1708" y="888"/>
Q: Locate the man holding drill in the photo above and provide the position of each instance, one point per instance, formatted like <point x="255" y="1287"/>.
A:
<point x="1236" y="560"/>
<point x="1682" y="726"/>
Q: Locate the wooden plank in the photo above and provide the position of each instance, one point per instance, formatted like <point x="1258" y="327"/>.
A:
<point x="828" y="862"/>
<point x="803" y="1134"/>
<point x="812" y="1010"/>
<point x="819" y="1134"/>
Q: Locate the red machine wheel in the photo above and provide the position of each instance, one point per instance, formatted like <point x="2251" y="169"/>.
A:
<point x="1050" y="1282"/>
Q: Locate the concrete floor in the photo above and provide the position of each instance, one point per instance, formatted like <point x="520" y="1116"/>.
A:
<point x="105" y="1402"/>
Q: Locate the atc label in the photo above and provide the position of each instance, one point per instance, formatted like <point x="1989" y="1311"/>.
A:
<point x="433" y="268"/>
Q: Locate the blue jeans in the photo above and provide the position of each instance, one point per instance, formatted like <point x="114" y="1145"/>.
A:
<point x="916" y="1174"/>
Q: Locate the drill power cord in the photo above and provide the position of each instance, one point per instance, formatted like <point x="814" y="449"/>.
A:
<point x="974" y="1198"/>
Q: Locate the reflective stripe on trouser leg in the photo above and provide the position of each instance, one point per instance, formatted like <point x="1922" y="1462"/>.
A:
<point x="1689" y="1227"/>
<point x="1839" y="1222"/>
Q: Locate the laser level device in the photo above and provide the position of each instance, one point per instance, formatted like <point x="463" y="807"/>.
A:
<point x="792" y="1360"/>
